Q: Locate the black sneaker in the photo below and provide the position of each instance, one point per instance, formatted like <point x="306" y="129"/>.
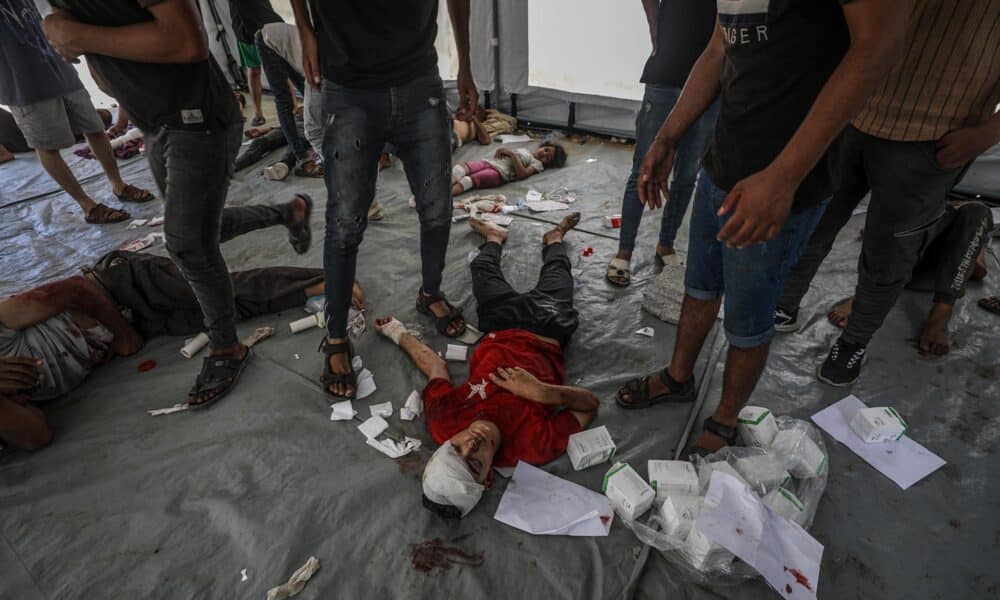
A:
<point x="786" y="321"/>
<point x="843" y="365"/>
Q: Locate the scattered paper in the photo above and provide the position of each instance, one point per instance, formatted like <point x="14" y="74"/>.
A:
<point x="415" y="403"/>
<point x="259" y="335"/>
<point x="243" y="575"/>
<point x="546" y="206"/>
<point x="356" y="323"/>
<point x="156" y="412"/>
<point x="155" y="221"/>
<point x="590" y="160"/>
<point x="784" y="553"/>
<point x="471" y="335"/>
<point x="544" y="504"/>
<point x="383" y="410"/>
<point x="373" y="427"/>
<point x="646" y="331"/>
<point x="406" y="414"/>
<point x="357" y="364"/>
<point x="140" y="244"/>
<point x="297" y="581"/>
<point x="456" y="352"/>
<point x="135" y="223"/>
<point x="498" y="220"/>
<point x="394" y="449"/>
<point x="904" y="461"/>
<point x="297" y="357"/>
<point x="342" y="411"/>
<point x="513" y="138"/>
<point x="366" y="384"/>
<point x="533" y="196"/>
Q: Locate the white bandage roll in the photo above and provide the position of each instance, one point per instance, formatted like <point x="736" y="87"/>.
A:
<point x="393" y="330"/>
<point x="194" y="345"/>
<point x="316" y="320"/>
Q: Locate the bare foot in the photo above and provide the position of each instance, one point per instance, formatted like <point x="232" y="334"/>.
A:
<point x="488" y="231"/>
<point x="979" y="270"/>
<point x="298" y="211"/>
<point x="934" y="339"/>
<point x="5" y="154"/>
<point x="340" y="364"/>
<point x="556" y="235"/>
<point x="840" y="312"/>
<point x="236" y="351"/>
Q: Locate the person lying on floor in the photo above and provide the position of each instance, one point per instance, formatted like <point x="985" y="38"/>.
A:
<point x="955" y="254"/>
<point x="485" y="125"/>
<point x="52" y="336"/>
<point x="514" y="405"/>
<point x="506" y="165"/>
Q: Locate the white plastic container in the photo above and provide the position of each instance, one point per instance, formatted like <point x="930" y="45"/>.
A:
<point x="756" y="426"/>
<point x="878" y="424"/>
<point x="590" y="447"/>
<point x="803" y="456"/>
<point x="678" y="513"/>
<point x="763" y="472"/>
<point x="672" y="477"/>
<point x="628" y="491"/>
<point x="786" y="504"/>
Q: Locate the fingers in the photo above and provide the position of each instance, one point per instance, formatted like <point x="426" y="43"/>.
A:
<point x="21" y="360"/>
<point x="730" y="202"/>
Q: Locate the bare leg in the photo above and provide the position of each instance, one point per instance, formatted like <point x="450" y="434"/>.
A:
<point x="23" y="425"/>
<point x="492" y="233"/>
<point x="743" y="369"/>
<point x="840" y="312"/>
<point x="296" y="105"/>
<point x="57" y="168"/>
<point x="934" y="338"/>
<point x="253" y="79"/>
<point x="101" y="146"/>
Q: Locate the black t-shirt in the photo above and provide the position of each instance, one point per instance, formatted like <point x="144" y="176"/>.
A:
<point x="186" y="96"/>
<point x="683" y="28"/>
<point x="779" y="54"/>
<point x="249" y="16"/>
<point x="372" y="44"/>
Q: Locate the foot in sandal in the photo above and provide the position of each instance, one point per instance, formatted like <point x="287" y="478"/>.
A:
<point x="220" y="371"/>
<point x="101" y="214"/>
<point x="619" y="273"/>
<point x="656" y="388"/>
<point x="448" y="320"/>
<point x="339" y="379"/>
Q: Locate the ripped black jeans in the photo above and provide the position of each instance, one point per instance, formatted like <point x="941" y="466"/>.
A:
<point x="414" y="118"/>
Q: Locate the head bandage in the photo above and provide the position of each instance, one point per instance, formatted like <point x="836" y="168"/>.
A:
<point x="448" y="481"/>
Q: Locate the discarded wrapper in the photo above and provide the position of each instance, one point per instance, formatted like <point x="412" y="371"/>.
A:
<point x="194" y="345"/>
<point x="533" y="196"/>
<point x="366" y="384"/>
<point x="259" y="335"/>
<point x="342" y="411"/>
<point x="155" y="221"/>
<point x="590" y="447"/>
<point x="383" y="410"/>
<point x="392" y="448"/>
<point x="705" y="473"/>
<point x="140" y="244"/>
<point x="471" y="335"/>
<point x="629" y="493"/>
<point x="356" y="323"/>
<point x="315" y="304"/>
<point x="414" y="407"/>
<point x="646" y="331"/>
<point x="373" y="427"/>
<point x="456" y="352"/>
<point x="878" y="424"/>
<point x="805" y="459"/>
<point x="763" y="472"/>
<point x="156" y="412"/>
<point x="613" y="221"/>
<point x="672" y="477"/>
<point x="756" y="426"/>
<point x="136" y="223"/>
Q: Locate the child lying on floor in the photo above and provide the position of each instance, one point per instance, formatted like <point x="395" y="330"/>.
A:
<point x="506" y="165"/>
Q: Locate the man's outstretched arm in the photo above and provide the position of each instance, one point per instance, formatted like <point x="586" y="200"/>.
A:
<point x="175" y="35"/>
<point x="429" y="363"/>
<point x="760" y="203"/>
<point x="581" y="402"/>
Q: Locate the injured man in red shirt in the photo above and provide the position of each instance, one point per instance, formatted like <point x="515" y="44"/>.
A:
<point x="514" y="405"/>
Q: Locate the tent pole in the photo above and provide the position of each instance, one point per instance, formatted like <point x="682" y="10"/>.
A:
<point x="497" y="85"/>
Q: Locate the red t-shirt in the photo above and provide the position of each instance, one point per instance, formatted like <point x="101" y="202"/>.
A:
<point x="532" y="432"/>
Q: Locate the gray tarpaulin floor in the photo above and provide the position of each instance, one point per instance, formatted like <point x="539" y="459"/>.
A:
<point x="124" y="505"/>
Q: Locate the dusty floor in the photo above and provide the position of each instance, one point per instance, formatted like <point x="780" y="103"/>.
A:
<point x="124" y="505"/>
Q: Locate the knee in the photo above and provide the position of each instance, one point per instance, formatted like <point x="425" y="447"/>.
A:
<point x="39" y="437"/>
<point x="190" y="251"/>
<point x="345" y="233"/>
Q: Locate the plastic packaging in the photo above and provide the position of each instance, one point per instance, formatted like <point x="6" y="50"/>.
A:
<point x="786" y="504"/>
<point x="805" y="459"/>
<point x="705" y="468"/>
<point x="756" y="426"/>
<point x="316" y="304"/>
<point x="763" y="472"/>
<point x="590" y="447"/>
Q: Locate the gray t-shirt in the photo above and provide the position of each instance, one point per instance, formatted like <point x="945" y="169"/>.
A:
<point x="506" y="166"/>
<point x="68" y="351"/>
<point x="30" y="70"/>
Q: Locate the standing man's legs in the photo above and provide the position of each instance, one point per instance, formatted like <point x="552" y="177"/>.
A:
<point x="193" y="170"/>
<point x="250" y="61"/>
<point x="277" y="70"/>
<point x="421" y="132"/>
<point x="354" y="137"/>
<point x="909" y="192"/>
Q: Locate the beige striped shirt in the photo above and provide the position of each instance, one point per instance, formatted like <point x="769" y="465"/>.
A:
<point x="948" y="78"/>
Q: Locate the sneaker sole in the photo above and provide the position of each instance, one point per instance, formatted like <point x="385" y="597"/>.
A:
<point x="788" y="328"/>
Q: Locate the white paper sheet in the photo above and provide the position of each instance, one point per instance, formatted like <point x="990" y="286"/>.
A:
<point x="545" y="205"/>
<point x="456" y="352"/>
<point x="158" y="412"/>
<point x="544" y="504"/>
<point x="415" y="403"/>
<point x="533" y="196"/>
<point x="342" y="411"/>
<point x="373" y="427"/>
<point x="394" y="449"/>
<point x="500" y="220"/>
<point x="646" y="331"/>
<point x="904" y="461"/>
<point x="471" y="335"/>
<point x="513" y="138"/>
<point x="784" y="553"/>
<point x="383" y="410"/>
<point x="366" y="384"/>
<point x="357" y="364"/>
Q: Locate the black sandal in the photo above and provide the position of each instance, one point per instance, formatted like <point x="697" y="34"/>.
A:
<point x="329" y="377"/>
<point x="441" y="323"/>
<point x="219" y="374"/>
<point x="300" y="234"/>
<point x="728" y="435"/>
<point x="638" y="391"/>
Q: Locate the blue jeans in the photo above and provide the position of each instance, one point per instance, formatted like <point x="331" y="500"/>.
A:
<point x="657" y="103"/>
<point x="414" y="118"/>
<point x="751" y="279"/>
<point x="278" y="69"/>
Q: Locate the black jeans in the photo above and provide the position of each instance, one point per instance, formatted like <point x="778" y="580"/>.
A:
<point x="278" y="71"/>
<point x="908" y="196"/>
<point x="161" y="301"/>
<point x="192" y="170"/>
<point x="260" y="147"/>
<point x="546" y="310"/>
<point x="958" y="238"/>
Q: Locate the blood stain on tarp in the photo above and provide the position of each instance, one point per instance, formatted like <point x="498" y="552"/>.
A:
<point x="739" y="531"/>
<point x="799" y="578"/>
<point x="412" y="465"/>
<point x="434" y="554"/>
<point x="788" y="588"/>
<point x="605" y="519"/>
<point x="147" y="365"/>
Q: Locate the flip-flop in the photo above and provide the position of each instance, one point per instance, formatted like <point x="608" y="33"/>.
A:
<point x="219" y="374"/>
<point x="101" y="214"/>
<point x="638" y="391"/>
<point x="300" y="234"/>
<point x="136" y="195"/>
<point x="990" y="304"/>
<point x="618" y="273"/>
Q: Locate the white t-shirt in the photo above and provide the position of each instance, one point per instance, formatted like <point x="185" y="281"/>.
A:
<point x="506" y="166"/>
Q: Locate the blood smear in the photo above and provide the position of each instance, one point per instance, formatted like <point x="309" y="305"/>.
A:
<point x="147" y="365"/>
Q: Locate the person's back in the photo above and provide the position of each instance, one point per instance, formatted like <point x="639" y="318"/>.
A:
<point x="30" y="70"/>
